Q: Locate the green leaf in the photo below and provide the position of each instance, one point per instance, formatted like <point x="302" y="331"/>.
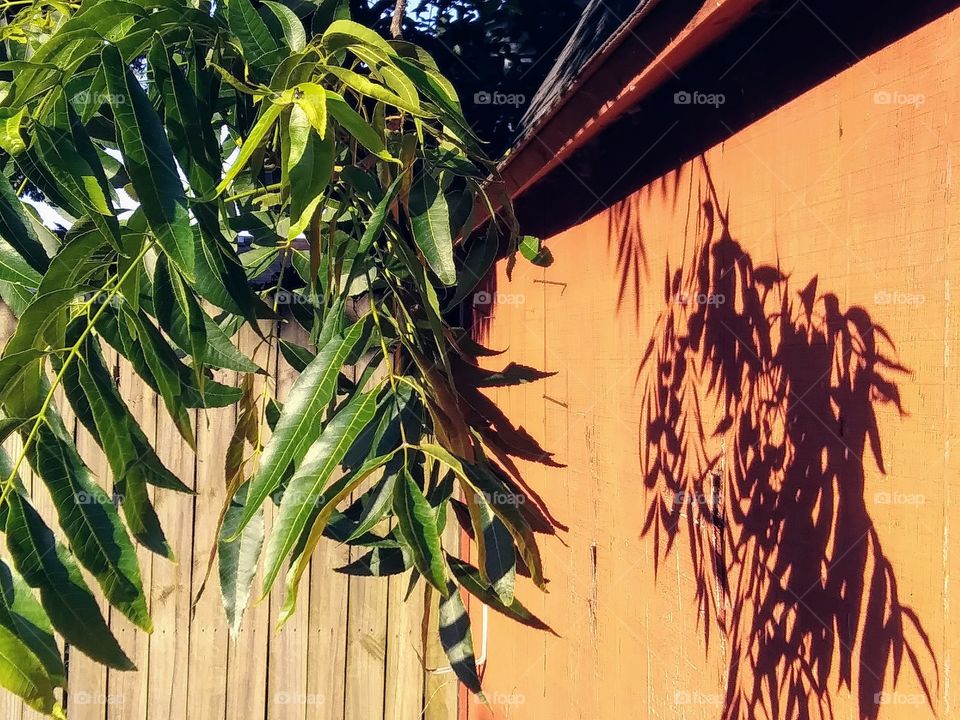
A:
<point x="255" y="39"/>
<point x="91" y="524"/>
<point x="192" y="139"/>
<point x="299" y="425"/>
<point x="84" y="253"/>
<point x="375" y="226"/>
<point x="178" y="312"/>
<point x="256" y="136"/>
<point x="221" y="279"/>
<point x="455" y="638"/>
<point x="365" y="86"/>
<point x="532" y="249"/>
<point x="495" y="553"/>
<point x="380" y="562"/>
<point x="306" y="486"/>
<point x="153" y="360"/>
<point x="296" y="356"/>
<point x="325" y="507"/>
<point x="238" y="560"/>
<point x="47" y="566"/>
<point x="222" y="353"/>
<point x="22" y="673"/>
<point x="353" y="123"/>
<point x="150" y="163"/>
<point x="311" y="166"/>
<point x="293" y="33"/>
<point x="312" y="99"/>
<point x="344" y="33"/>
<point x="418" y="527"/>
<point x="377" y="501"/>
<point x="16" y="229"/>
<point x="470" y="580"/>
<point x="504" y="503"/>
<point x="43" y="322"/>
<point x="15" y="269"/>
<point x="430" y="217"/>
<point x="22" y="615"/>
<point x="11" y="139"/>
<point x="481" y="255"/>
<point x="108" y="419"/>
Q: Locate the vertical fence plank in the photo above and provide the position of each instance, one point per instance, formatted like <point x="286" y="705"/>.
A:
<point x="287" y="697"/>
<point x="404" y="679"/>
<point x="246" y="673"/>
<point x="329" y="609"/>
<point x="128" y="690"/>
<point x="209" y="635"/>
<point x="365" y="681"/>
<point x="366" y="646"/>
<point x="170" y="590"/>
<point x="327" y="650"/>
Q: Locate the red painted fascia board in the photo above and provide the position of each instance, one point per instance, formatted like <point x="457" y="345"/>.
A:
<point x="609" y="86"/>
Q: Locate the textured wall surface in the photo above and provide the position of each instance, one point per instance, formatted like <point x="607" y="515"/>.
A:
<point x="758" y="375"/>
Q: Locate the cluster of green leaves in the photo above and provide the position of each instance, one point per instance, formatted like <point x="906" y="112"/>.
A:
<point x="166" y="134"/>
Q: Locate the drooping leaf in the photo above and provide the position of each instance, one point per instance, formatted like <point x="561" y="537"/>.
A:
<point x="469" y="579"/>
<point x="430" y="217"/>
<point x="47" y="565"/>
<point x="237" y="560"/>
<point x="294" y="35"/>
<point x="495" y="554"/>
<point x="299" y="425"/>
<point x="251" y="143"/>
<point x="91" y="524"/>
<point x="22" y="673"/>
<point x="418" y="527"/>
<point x="456" y="639"/>
<point x="150" y="163"/>
<point x="325" y="506"/>
<point x="306" y="487"/>
<point x="379" y="562"/>
<point x="179" y="312"/>
<point x="258" y="44"/>
<point x="353" y="122"/>
<point x="17" y="230"/>
<point x="311" y="166"/>
<point x="22" y="615"/>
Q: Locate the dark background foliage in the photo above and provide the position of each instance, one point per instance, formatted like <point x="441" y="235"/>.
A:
<point x="485" y="46"/>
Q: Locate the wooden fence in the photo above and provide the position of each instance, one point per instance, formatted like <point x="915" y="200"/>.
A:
<point x="354" y="650"/>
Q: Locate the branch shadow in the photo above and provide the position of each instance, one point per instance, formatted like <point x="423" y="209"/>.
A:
<point x="770" y="499"/>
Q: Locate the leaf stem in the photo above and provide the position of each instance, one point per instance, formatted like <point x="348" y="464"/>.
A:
<point x="74" y="351"/>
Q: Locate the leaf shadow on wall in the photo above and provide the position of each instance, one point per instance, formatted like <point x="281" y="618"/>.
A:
<point x="770" y="498"/>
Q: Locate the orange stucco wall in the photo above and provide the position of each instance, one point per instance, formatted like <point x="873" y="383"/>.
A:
<point x="756" y="403"/>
